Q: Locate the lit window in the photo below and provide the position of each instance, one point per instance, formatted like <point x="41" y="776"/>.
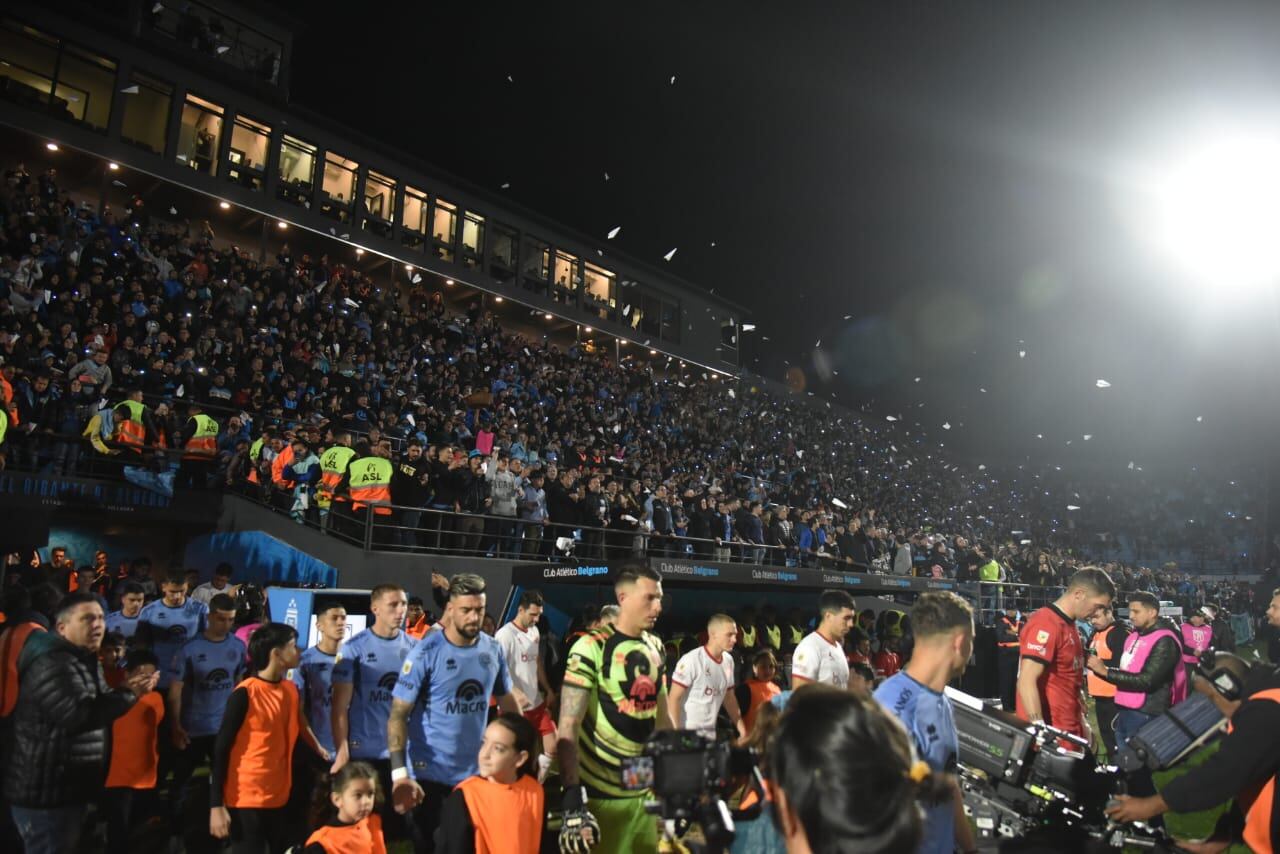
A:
<point x="199" y="134"/>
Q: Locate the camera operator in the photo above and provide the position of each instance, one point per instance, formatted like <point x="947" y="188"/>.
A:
<point x="844" y="777"/>
<point x="1148" y="681"/>
<point x="943" y="626"/>
<point x="1245" y="765"/>
<point x="1051" y="674"/>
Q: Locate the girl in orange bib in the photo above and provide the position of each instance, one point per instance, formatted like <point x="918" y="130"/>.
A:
<point x="498" y="811"/>
<point x="356" y="828"/>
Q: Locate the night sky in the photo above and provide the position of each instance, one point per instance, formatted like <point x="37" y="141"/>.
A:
<point x="950" y="176"/>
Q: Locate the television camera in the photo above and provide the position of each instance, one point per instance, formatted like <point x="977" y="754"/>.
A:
<point x="690" y="777"/>
<point x="1032" y="787"/>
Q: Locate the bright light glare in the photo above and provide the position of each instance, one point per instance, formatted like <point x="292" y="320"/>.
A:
<point x="1214" y="210"/>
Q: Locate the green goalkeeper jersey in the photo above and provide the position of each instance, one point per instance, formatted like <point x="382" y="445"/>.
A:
<point x="626" y="678"/>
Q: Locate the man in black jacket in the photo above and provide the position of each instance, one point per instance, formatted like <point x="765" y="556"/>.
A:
<point x="1150" y="666"/>
<point x="56" y="752"/>
<point x="409" y="492"/>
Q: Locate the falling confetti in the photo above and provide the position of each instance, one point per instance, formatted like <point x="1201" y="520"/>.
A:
<point x="817" y="343"/>
<point x="917" y="379"/>
<point x="1072" y="507"/>
<point x="1102" y="384"/>
<point x="1199" y="418"/>
<point x="1022" y="354"/>
<point x="673" y="80"/>
<point x="848" y="316"/>
<point x="117" y="183"/>
<point x="222" y="48"/>
<point x="1039" y="435"/>
<point x="670" y="254"/>
<point x="982" y="468"/>
<point x="173" y="211"/>
<point x="983" y="390"/>
<point x="130" y="90"/>
<point x="509" y="79"/>
<point x="626" y="309"/>
<point x="606" y="176"/>
<point x="838" y="503"/>
<point x="1131" y="465"/>
<point x="891" y="418"/>
<point x="417" y="278"/>
<point x="732" y="395"/>
<point x="613" y="232"/>
<point x="1088" y="436"/>
<point x="946" y="425"/>
<point x="506" y="186"/>
<point x="713" y="244"/>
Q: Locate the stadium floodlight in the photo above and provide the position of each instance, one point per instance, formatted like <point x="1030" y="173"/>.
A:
<point x="1212" y="209"/>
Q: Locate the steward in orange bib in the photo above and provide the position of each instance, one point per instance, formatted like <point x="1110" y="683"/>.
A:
<point x="500" y="810"/>
<point x="1245" y="765"/>
<point x="1107" y="642"/>
<point x="368" y="483"/>
<point x="333" y="465"/>
<point x="199" y="442"/>
<point x="133" y="422"/>
<point x="251" y="773"/>
<point x="1008" y="633"/>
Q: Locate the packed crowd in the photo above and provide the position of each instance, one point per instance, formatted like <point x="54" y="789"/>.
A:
<point x="115" y="325"/>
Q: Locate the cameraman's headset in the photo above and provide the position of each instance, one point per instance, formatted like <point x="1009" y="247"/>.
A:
<point x="1215" y="667"/>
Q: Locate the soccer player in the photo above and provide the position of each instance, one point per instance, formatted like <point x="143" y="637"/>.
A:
<point x="703" y="681"/>
<point x="125" y="621"/>
<point x="201" y="678"/>
<point x="520" y="644"/>
<point x="448" y="677"/>
<point x="314" y="673"/>
<point x="1051" y="672"/>
<point x="820" y="657"/>
<point x="169" y="622"/>
<point x="943" y="625"/>
<point x="365" y="671"/>
<point x="612" y="700"/>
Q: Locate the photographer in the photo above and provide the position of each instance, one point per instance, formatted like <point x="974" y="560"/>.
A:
<point x="1245" y="765"/>
<point x="841" y="768"/>
<point x="943" y="626"/>
<point x="1150" y="677"/>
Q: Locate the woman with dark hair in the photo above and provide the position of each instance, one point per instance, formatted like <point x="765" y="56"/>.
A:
<point x="845" y="778"/>
<point x="500" y="809"/>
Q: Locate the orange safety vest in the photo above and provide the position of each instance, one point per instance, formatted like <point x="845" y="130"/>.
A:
<point x="11" y="644"/>
<point x="1017" y="633"/>
<point x="419" y="629"/>
<point x="363" y="837"/>
<point x="761" y="692"/>
<point x="507" y="819"/>
<point x="333" y="465"/>
<point x="259" y="774"/>
<point x="370" y="481"/>
<point x="132" y="434"/>
<point x="6" y="388"/>
<point x="203" y="444"/>
<point x="1257" y="804"/>
<point x="1099" y="687"/>
<point x="281" y="460"/>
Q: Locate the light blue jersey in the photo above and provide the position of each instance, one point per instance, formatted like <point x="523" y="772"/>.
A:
<point x="127" y="626"/>
<point x="314" y="678"/>
<point x="209" y="671"/>
<point x="371" y="665"/>
<point x="450" y="687"/>
<point x="927" y="716"/>
<point x="167" y="629"/>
